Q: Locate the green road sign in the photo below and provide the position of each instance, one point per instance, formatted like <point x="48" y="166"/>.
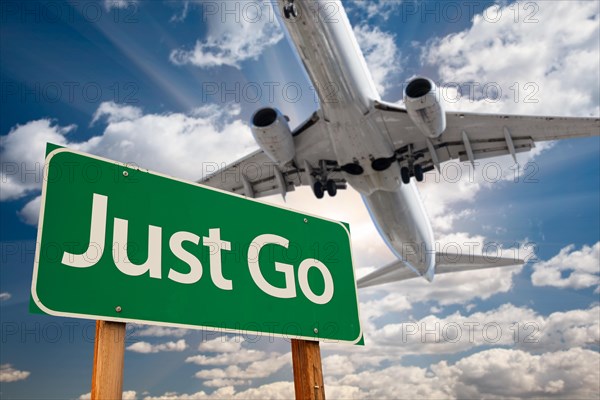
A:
<point x="124" y="244"/>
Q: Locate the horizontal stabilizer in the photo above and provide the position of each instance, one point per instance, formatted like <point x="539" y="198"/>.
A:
<point x="445" y="263"/>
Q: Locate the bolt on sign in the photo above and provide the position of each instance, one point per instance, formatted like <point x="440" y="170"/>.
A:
<point x="124" y="244"/>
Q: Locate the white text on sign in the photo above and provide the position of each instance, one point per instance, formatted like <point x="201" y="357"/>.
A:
<point x="153" y="263"/>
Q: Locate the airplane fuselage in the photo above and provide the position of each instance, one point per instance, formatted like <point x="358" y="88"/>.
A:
<point x="337" y="68"/>
<point x="325" y="41"/>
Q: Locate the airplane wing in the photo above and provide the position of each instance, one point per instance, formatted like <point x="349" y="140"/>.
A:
<point x="445" y="263"/>
<point x="468" y="137"/>
<point x="474" y="136"/>
<point x="256" y="175"/>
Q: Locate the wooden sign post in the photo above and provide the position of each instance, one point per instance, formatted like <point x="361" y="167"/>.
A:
<point x="109" y="354"/>
<point x="308" y="371"/>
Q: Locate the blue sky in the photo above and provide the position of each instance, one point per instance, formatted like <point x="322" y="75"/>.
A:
<point x="171" y="86"/>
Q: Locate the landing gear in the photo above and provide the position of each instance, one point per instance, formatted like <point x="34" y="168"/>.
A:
<point x="405" y="174"/>
<point x="418" y="170"/>
<point x="323" y="178"/>
<point x="318" y="190"/>
<point x="289" y="10"/>
<point x="331" y="188"/>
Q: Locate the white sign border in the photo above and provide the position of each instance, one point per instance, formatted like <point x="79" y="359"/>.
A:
<point x="49" y="311"/>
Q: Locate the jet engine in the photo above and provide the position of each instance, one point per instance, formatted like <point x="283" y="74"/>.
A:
<point x="421" y="98"/>
<point x="272" y="132"/>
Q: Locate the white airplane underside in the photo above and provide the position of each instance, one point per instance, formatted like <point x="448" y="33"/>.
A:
<point x="376" y="147"/>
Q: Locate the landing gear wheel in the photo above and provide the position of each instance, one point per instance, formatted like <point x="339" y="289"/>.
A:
<point x="318" y="190"/>
<point x="419" y="173"/>
<point x="405" y="174"/>
<point x="331" y="188"/>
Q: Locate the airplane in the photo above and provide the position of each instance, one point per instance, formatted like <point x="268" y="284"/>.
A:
<point x="378" y="148"/>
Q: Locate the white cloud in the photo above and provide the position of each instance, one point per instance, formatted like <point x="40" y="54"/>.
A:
<point x="224" y="382"/>
<point x="553" y="61"/>
<point x="270" y="391"/>
<point x="368" y="9"/>
<point x="337" y="365"/>
<point x="231" y="354"/>
<point x="504" y="52"/>
<point x="183" y="13"/>
<point x="5" y="296"/>
<point x="168" y="143"/>
<point x="495" y="373"/>
<point x="276" y="390"/>
<point x="449" y="193"/>
<point x="381" y="53"/>
<point x="242" y="356"/>
<point x="31" y="212"/>
<point x="391" y="303"/>
<point x="118" y="4"/>
<point x="492" y="374"/>
<point x="172" y="143"/>
<point x="22" y="154"/>
<point x="436" y="310"/>
<point x="570" y="268"/>
<point x="507" y="325"/>
<point x="129" y="395"/>
<point x="525" y="50"/>
<point x="116" y="112"/>
<point x="9" y="374"/>
<point x="222" y="344"/>
<point x="394" y="382"/>
<point x="145" y="347"/>
<point x="255" y="370"/>
<point x="500" y="373"/>
<point x="233" y="37"/>
<point x="569" y="329"/>
<point x="159" y="331"/>
<point x="460" y="287"/>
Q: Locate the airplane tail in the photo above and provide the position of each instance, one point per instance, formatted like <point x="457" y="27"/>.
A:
<point x="445" y="263"/>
